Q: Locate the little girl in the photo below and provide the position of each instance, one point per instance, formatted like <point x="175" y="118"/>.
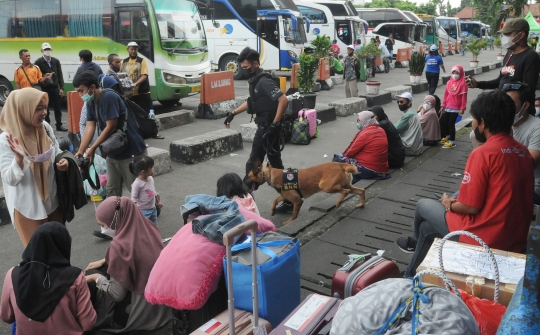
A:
<point x="454" y="103"/>
<point x="143" y="192"/>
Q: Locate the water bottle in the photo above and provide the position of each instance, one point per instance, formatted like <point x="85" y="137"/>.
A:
<point x="151" y="115"/>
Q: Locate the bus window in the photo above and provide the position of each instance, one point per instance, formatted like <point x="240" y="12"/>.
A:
<point x="269" y="31"/>
<point x="7" y="19"/>
<point x="373" y="18"/>
<point x="93" y="18"/>
<point x="386" y="30"/>
<point x="336" y="9"/>
<point x="133" y="26"/>
<point x="392" y="16"/>
<point x="314" y="15"/>
<point x="343" y="33"/>
<point x="37" y="19"/>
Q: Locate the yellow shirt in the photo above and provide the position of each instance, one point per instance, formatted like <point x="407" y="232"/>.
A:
<point x="132" y="71"/>
<point x="33" y="72"/>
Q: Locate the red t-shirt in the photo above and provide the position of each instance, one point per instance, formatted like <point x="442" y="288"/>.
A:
<point x="370" y="148"/>
<point x="498" y="179"/>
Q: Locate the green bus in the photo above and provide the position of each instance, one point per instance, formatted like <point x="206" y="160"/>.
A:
<point x="169" y="33"/>
<point x="432" y="30"/>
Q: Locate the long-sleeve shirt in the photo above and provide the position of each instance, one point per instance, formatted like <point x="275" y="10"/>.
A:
<point x="452" y="101"/>
<point x="410" y="130"/>
<point x="370" y="148"/>
<point x="73" y="315"/>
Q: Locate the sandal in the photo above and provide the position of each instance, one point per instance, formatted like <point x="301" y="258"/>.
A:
<point x="159" y="137"/>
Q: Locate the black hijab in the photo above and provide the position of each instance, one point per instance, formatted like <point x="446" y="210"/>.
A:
<point x="379" y="112"/>
<point x="44" y="276"/>
<point x="437" y="103"/>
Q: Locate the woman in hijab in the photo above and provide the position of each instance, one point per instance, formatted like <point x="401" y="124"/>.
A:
<point x="396" y="151"/>
<point x="133" y="251"/>
<point x="368" y="150"/>
<point x="44" y="294"/>
<point x="28" y="149"/>
<point x="431" y="132"/>
<point x="454" y="103"/>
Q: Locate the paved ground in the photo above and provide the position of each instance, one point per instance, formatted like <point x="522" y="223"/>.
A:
<point x="326" y="236"/>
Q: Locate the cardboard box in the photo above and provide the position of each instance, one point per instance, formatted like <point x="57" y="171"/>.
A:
<point x="484" y="288"/>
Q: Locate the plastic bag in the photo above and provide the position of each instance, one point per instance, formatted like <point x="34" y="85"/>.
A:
<point x="487" y="313"/>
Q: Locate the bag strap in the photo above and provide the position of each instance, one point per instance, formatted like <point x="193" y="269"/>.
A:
<point x="22" y="67"/>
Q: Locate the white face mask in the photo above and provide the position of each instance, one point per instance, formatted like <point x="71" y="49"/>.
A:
<point x="40" y="158"/>
<point x="519" y="115"/>
<point x="508" y="41"/>
<point x="47" y="53"/>
<point x="456" y="76"/>
<point x="537" y="111"/>
<point x="427" y="107"/>
<point x="109" y="232"/>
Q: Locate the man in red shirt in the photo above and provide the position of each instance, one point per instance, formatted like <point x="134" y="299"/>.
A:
<point x="495" y="199"/>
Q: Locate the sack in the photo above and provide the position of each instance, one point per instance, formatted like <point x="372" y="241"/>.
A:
<point x="147" y="127"/>
<point x="278" y="270"/>
<point x="116" y="144"/>
<point x="300" y="132"/>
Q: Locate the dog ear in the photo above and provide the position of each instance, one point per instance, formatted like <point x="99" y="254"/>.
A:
<point x="256" y="166"/>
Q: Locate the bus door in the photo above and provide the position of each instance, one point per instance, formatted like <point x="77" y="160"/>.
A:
<point x="268" y="41"/>
<point x="344" y="32"/>
<point x="132" y="26"/>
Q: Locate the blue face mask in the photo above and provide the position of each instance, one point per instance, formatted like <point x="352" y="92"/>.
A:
<point x="115" y="68"/>
<point x="87" y="97"/>
<point x="358" y="125"/>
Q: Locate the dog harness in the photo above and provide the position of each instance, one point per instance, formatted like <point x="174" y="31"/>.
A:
<point x="290" y="181"/>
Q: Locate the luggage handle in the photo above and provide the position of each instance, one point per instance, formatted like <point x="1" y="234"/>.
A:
<point x="228" y="240"/>
<point x="483" y="244"/>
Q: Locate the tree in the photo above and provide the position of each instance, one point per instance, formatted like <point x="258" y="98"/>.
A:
<point x="428" y="8"/>
<point x="406" y="5"/>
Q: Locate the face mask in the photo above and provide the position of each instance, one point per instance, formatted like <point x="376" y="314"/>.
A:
<point x="508" y="41"/>
<point x="87" y="97"/>
<point x="109" y="232"/>
<point x="479" y="137"/>
<point x="537" y="111"/>
<point x="518" y="116"/>
<point x="403" y="107"/>
<point x="455" y="76"/>
<point x="427" y="107"/>
<point x="47" y="53"/>
<point x="358" y="125"/>
<point x="115" y="68"/>
<point x="40" y="158"/>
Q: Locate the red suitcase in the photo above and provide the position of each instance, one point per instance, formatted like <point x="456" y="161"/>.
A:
<point x="358" y="274"/>
<point x="311" y="116"/>
<point x="312" y="317"/>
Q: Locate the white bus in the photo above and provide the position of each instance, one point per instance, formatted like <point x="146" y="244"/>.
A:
<point x="450" y="32"/>
<point x="169" y="32"/>
<point x="421" y="28"/>
<point x="275" y="28"/>
<point x="344" y="29"/>
<point x="474" y="28"/>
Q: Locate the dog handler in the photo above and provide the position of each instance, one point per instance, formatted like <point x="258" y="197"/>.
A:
<point x="268" y="104"/>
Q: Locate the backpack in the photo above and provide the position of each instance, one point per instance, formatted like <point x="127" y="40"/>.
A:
<point x="300" y="132"/>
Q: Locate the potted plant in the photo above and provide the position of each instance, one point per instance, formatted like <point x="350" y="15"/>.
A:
<point x="321" y="47"/>
<point x="365" y="54"/>
<point x="475" y="46"/>
<point x="498" y="44"/>
<point x="416" y="67"/>
<point x="305" y="78"/>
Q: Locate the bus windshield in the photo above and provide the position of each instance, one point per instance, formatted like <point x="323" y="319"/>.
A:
<point x="291" y="36"/>
<point x="180" y="27"/>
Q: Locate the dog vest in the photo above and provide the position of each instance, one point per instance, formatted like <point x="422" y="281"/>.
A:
<point x="290" y="181"/>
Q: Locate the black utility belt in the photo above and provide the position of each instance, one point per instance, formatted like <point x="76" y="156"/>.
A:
<point x="264" y="120"/>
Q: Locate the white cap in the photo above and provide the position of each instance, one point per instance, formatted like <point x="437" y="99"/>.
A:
<point x="405" y="95"/>
<point x="133" y="44"/>
<point x="432" y="47"/>
<point x="45" y="46"/>
<point x="350" y="47"/>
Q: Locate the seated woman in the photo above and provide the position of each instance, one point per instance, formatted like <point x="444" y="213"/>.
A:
<point x="427" y="113"/>
<point x="117" y="282"/>
<point x="44" y="294"/>
<point x="496" y="195"/>
<point x="396" y="150"/>
<point x="368" y="150"/>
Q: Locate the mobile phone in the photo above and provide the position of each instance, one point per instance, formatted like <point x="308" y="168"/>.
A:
<point x="437" y="195"/>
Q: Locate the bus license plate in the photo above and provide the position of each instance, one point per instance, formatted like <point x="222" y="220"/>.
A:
<point x="195" y="88"/>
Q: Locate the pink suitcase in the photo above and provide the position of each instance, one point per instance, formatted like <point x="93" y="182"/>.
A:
<point x="311" y="116"/>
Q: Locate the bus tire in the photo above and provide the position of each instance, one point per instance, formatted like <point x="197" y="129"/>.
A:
<point x="229" y="63"/>
<point x="169" y="103"/>
<point x="5" y="89"/>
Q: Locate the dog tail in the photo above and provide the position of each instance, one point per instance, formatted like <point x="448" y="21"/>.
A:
<point x="349" y="168"/>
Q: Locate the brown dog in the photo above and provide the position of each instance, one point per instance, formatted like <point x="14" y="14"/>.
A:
<point x="327" y="177"/>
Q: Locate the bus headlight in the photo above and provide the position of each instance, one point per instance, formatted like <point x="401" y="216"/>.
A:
<point x="172" y="79"/>
<point x="292" y="54"/>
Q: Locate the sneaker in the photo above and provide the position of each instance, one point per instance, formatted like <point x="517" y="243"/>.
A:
<point x="285" y="207"/>
<point x="448" y="145"/>
<point x="443" y="140"/>
<point x="406" y="244"/>
<point x="98" y="233"/>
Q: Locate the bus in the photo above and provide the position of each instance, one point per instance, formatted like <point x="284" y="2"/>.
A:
<point x="431" y="29"/>
<point x="275" y="28"/>
<point x="449" y="30"/>
<point x="344" y="29"/>
<point x="474" y="28"/>
<point x="338" y="7"/>
<point x="421" y="28"/>
<point x="169" y="33"/>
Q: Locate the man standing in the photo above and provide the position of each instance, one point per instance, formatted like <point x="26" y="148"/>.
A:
<point x="114" y="66"/>
<point x="389" y="44"/>
<point x="28" y="75"/>
<point x="335" y="49"/>
<point x="351" y="73"/>
<point x="54" y="87"/>
<point x="268" y="104"/>
<point x="521" y="63"/>
<point x="85" y="57"/>
<point x="385" y="56"/>
<point x="137" y="69"/>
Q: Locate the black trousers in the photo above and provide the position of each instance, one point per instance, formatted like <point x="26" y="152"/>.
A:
<point x="55" y="100"/>
<point x="432" y="79"/>
<point x="259" y="152"/>
<point x="144" y="101"/>
<point x="447" y="122"/>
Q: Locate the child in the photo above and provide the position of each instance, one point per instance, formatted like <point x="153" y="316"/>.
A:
<point x="143" y="192"/>
<point x="454" y="103"/>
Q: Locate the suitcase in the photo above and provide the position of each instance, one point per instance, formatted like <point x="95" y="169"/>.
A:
<point x="360" y="272"/>
<point x="312" y="317"/>
<point x="311" y="116"/>
<point x="235" y="321"/>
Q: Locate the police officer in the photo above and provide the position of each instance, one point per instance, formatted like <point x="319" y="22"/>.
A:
<point x="268" y="104"/>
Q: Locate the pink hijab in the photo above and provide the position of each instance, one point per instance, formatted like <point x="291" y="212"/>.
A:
<point x="429" y="121"/>
<point x="457" y="87"/>
<point x="136" y="244"/>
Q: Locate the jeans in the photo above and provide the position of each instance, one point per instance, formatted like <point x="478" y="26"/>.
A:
<point x="429" y="223"/>
<point x="259" y="152"/>
<point x="150" y="214"/>
<point x="214" y="226"/>
<point x="447" y="123"/>
<point x="432" y="79"/>
<point x="55" y="101"/>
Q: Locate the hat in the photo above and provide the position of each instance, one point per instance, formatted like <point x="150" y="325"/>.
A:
<point x="433" y="48"/>
<point x="133" y="44"/>
<point x="405" y="95"/>
<point x="350" y="47"/>
<point x="45" y="46"/>
<point x="515" y="25"/>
